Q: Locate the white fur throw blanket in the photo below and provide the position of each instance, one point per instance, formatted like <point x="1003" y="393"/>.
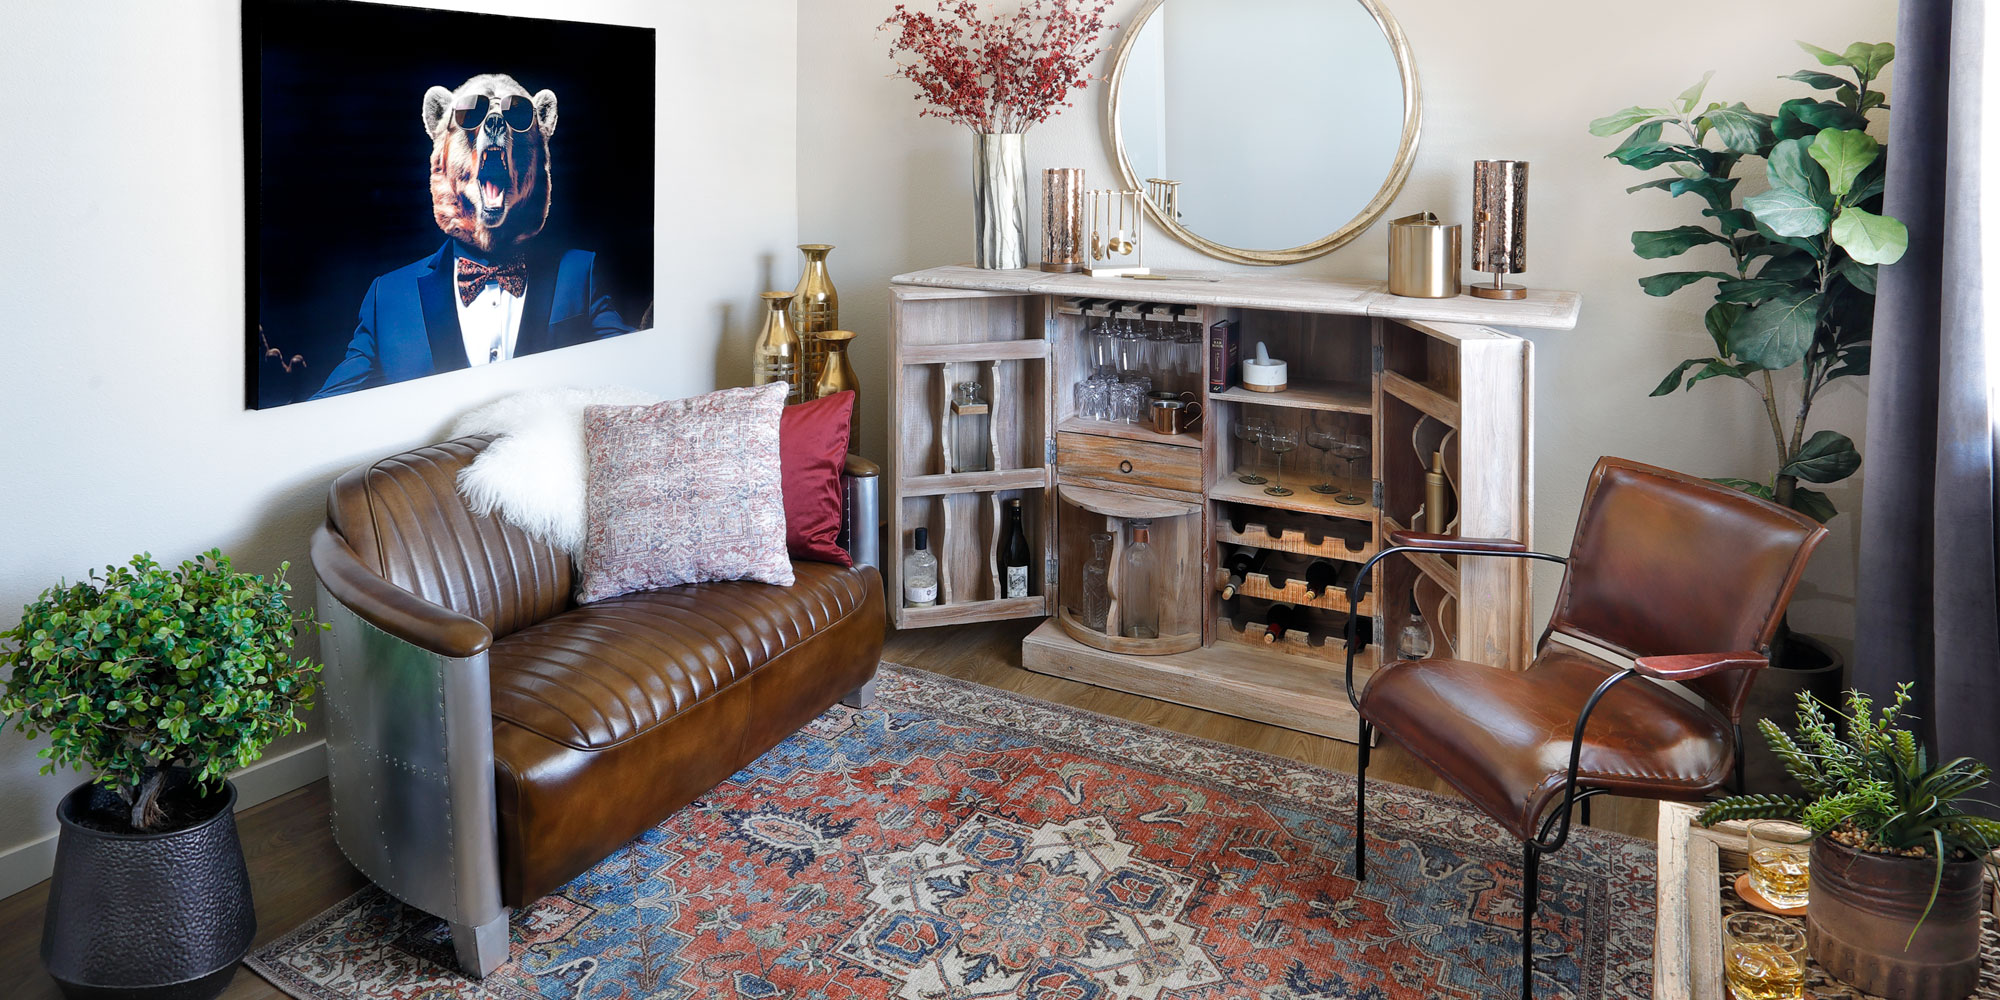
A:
<point x="534" y="473"/>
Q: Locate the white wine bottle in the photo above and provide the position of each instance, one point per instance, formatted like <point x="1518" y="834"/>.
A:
<point x="920" y="573"/>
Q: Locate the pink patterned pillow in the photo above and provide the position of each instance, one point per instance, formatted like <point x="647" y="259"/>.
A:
<point x="685" y="491"/>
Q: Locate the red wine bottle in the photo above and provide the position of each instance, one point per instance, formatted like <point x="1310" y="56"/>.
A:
<point x="1243" y="563"/>
<point x="1320" y="577"/>
<point x="1278" y="623"/>
<point x="1014" y="555"/>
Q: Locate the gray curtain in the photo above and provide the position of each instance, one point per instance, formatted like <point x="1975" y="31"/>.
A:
<point x="1928" y="610"/>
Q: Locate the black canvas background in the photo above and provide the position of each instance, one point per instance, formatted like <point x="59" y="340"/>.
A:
<point x="338" y="161"/>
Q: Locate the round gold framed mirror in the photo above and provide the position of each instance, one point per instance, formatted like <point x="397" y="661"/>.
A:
<point x="1264" y="131"/>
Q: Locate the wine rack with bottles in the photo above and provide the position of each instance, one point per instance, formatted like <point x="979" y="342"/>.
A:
<point x="1257" y="514"/>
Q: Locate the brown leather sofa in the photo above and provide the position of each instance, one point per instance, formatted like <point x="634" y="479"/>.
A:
<point x="488" y="739"/>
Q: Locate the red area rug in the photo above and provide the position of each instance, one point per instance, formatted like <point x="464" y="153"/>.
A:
<point x="961" y="843"/>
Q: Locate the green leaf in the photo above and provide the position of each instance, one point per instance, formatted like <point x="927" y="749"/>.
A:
<point x="1718" y="368"/>
<point x="1655" y="244"/>
<point x="1826" y="457"/>
<point x="1870" y="238"/>
<point x="1673" y="281"/>
<point x="1844" y="153"/>
<point x="1673" y="379"/>
<point x="1817" y="80"/>
<point x="1813" y="504"/>
<point x="1612" y="124"/>
<point x="1734" y="220"/>
<point x="1802" y="117"/>
<point x="1853" y="361"/>
<point x="1789" y="267"/>
<point x="1750" y="291"/>
<point x="1756" y="489"/>
<point x="1791" y="165"/>
<point x="1692" y="96"/>
<point x="1777" y="333"/>
<point x="1868" y="59"/>
<point x="1719" y="319"/>
<point x="1787" y="212"/>
<point x="1716" y="191"/>
<point x="1826" y="57"/>
<point x="1662" y="183"/>
<point x="1741" y="129"/>
<point x="1871" y="182"/>
<point x="1861" y="276"/>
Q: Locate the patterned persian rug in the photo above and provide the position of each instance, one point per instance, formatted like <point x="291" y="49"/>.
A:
<point x="960" y="843"/>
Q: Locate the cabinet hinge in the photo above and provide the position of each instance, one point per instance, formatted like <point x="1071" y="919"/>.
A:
<point x="1048" y="451"/>
<point x="1049" y="572"/>
<point x="1375" y="359"/>
<point x="1378" y="494"/>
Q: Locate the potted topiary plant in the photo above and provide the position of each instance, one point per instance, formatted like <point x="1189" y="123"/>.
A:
<point x="1793" y="312"/>
<point x="160" y="681"/>
<point x="1897" y="884"/>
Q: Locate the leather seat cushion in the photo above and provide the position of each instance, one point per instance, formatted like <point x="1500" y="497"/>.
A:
<point x="601" y="674"/>
<point x="1502" y="738"/>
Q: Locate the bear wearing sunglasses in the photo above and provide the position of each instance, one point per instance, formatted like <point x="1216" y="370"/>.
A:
<point x="491" y="292"/>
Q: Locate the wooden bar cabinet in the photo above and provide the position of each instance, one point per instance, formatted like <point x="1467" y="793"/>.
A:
<point x="1423" y="382"/>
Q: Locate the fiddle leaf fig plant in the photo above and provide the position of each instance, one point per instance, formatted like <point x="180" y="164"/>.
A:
<point x="1794" y="310"/>
<point x="144" y="669"/>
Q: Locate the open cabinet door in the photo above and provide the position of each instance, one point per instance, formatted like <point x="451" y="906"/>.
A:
<point x="941" y="338"/>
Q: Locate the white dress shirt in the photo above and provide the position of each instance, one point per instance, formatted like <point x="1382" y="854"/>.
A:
<point x="490" y="324"/>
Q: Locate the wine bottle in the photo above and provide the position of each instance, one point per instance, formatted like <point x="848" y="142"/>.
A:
<point x="1014" y="554"/>
<point x="1278" y="623"/>
<point x="920" y="573"/>
<point x="1320" y="577"/>
<point x="1243" y="563"/>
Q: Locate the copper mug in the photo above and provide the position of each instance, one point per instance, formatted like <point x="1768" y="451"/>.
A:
<point x="1175" y="416"/>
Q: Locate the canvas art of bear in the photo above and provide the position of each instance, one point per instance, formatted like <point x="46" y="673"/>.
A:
<point x="491" y="292"/>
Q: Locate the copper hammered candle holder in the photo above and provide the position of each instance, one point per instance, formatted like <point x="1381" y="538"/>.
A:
<point x="1062" y="219"/>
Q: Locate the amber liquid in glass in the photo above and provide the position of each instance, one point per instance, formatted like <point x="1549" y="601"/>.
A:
<point x="1782" y="874"/>
<point x="1763" y="972"/>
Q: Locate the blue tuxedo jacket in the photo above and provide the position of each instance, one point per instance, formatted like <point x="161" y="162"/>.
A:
<point x="409" y="323"/>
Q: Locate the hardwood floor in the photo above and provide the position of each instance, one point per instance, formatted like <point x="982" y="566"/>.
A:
<point x="296" y="871"/>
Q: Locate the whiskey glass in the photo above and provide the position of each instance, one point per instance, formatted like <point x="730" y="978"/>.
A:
<point x="1780" y="861"/>
<point x="1763" y="957"/>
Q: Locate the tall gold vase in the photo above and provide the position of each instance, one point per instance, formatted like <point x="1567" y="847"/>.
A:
<point x="815" y="310"/>
<point x="775" y="358"/>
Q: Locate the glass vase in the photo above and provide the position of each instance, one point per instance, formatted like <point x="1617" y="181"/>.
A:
<point x="999" y="200"/>
<point x="815" y="310"/>
<point x="1139" y="586"/>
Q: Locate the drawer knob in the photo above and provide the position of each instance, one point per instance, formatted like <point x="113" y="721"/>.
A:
<point x="1125" y="466"/>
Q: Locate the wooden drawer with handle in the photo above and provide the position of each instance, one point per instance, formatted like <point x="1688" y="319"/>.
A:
<point x="1141" y="463"/>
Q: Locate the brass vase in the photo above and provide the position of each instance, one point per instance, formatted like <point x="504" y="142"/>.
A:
<point x="815" y="310"/>
<point x="838" y="376"/>
<point x="776" y="356"/>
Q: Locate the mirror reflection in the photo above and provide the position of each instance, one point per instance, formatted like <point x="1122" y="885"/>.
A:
<point x="1262" y="124"/>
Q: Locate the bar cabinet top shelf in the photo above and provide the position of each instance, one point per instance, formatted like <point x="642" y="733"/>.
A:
<point x="1543" y="309"/>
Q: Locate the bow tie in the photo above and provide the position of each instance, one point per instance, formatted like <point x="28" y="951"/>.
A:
<point x="473" y="276"/>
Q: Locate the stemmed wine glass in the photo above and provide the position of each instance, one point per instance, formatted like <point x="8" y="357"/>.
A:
<point x="1280" y="440"/>
<point x="1251" y="432"/>
<point x="1322" y="437"/>
<point x="1352" y="447"/>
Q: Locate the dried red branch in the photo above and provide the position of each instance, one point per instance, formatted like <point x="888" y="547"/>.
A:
<point x="1004" y="74"/>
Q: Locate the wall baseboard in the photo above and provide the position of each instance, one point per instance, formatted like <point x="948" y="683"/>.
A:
<point x="23" y="866"/>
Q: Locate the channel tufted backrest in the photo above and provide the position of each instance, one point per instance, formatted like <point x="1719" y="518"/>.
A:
<point x="404" y="518"/>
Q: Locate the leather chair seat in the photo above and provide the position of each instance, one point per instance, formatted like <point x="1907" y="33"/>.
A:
<point x="601" y="674"/>
<point x="1507" y="746"/>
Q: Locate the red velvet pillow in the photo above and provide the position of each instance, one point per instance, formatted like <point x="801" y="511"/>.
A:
<point x="812" y="452"/>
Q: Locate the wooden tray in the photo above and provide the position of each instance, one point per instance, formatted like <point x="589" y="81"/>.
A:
<point x="1696" y="867"/>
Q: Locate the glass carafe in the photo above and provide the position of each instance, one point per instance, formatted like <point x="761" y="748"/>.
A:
<point x="971" y="446"/>
<point x="1097" y="583"/>
<point x="1139" y="586"/>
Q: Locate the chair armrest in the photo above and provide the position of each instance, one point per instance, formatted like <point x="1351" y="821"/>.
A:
<point x="430" y="627"/>
<point x="861" y="468"/>
<point x="1688" y="666"/>
<point x="1425" y="540"/>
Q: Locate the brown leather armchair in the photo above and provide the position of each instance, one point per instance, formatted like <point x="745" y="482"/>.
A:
<point x="488" y="740"/>
<point x="1685" y="578"/>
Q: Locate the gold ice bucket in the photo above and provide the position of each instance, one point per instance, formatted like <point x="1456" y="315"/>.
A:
<point x="1423" y="257"/>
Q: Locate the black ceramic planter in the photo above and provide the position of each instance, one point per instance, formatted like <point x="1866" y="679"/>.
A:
<point x="1809" y="665"/>
<point x="162" y="916"/>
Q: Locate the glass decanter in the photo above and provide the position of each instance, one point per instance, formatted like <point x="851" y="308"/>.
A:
<point x="970" y="443"/>
<point x="1097" y="583"/>
<point x="1139" y="585"/>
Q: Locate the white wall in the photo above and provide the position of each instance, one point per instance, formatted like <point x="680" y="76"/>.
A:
<point x="122" y="426"/>
<point x="893" y="192"/>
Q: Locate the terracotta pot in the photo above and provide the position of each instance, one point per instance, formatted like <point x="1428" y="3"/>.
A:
<point x="1863" y="908"/>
